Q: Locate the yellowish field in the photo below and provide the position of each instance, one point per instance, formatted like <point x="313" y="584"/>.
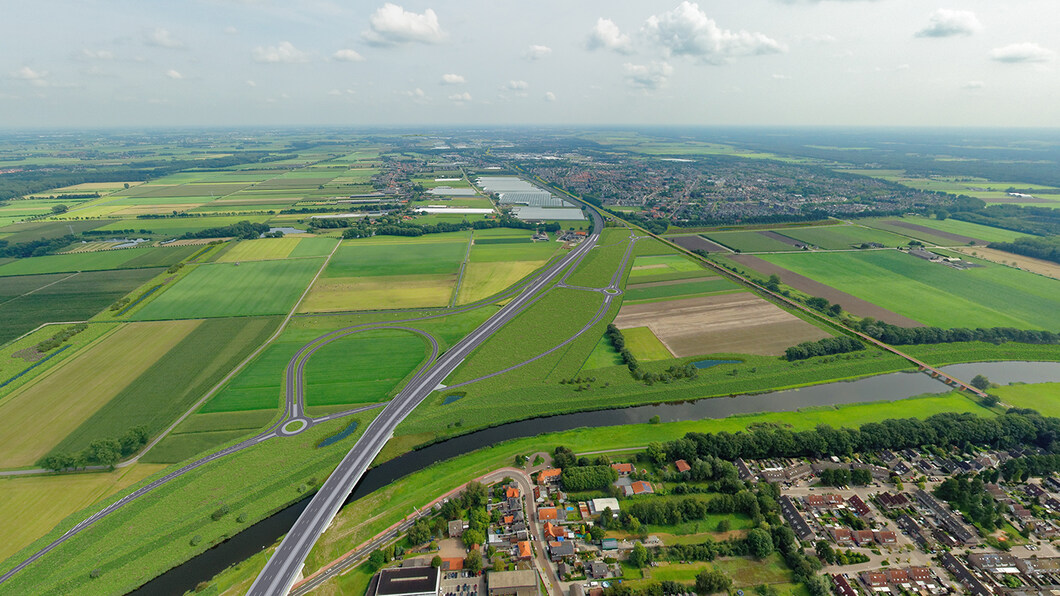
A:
<point x="135" y="210"/>
<point x="1039" y="266"/>
<point x="92" y="247"/>
<point x="482" y="280"/>
<point x="644" y="345"/>
<point x="40" y="415"/>
<point x="262" y="249"/>
<point x="31" y="506"/>
<point x="379" y="293"/>
<point x="89" y="211"/>
<point x="739" y="323"/>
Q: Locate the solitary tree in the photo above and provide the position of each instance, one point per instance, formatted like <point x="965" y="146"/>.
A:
<point x="473" y="561"/>
<point x="980" y="382"/>
<point x="638" y="557"/>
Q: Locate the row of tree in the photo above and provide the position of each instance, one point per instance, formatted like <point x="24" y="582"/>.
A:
<point x="35" y="248"/>
<point x="911" y="336"/>
<point x="395" y="225"/>
<point x="243" y="229"/>
<point x="1040" y="248"/>
<point x="101" y="452"/>
<point x="844" y="477"/>
<point x="823" y="347"/>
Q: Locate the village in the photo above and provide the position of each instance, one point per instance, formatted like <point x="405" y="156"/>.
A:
<point x="870" y="524"/>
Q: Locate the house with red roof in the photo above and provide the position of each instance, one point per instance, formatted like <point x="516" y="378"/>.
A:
<point x="682" y="466"/>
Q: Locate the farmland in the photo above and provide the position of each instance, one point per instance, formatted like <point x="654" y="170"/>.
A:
<point x="843" y="236"/>
<point x="672" y="289"/>
<point x="934" y="294"/>
<point x="644" y="345"/>
<point x="126" y="258"/>
<point x="750" y="241"/>
<point x="659" y="268"/>
<point x="265" y="288"/>
<point x="21" y="361"/>
<point x="263" y="249"/>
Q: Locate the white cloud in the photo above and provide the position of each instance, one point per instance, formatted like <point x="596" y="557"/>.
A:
<point x="781" y="77"/>
<point x="284" y="53"/>
<point x="517" y="86"/>
<point x="460" y="97"/>
<point x="251" y="83"/>
<point x="453" y="79"/>
<point x="687" y="30"/>
<point x="348" y="55"/>
<point x="973" y="85"/>
<point x="648" y="76"/>
<point x="536" y="52"/>
<point x="1021" y="52"/>
<point x="37" y="78"/>
<point x="338" y="93"/>
<point x="176" y="76"/>
<point x="607" y="36"/>
<point x="392" y="24"/>
<point x="550" y="96"/>
<point x="88" y="54"/>
<point x="416" y="93"/>
<point x="162" y="38"/>
<point x="948" y="23"/>
<point x="230" y="30"/>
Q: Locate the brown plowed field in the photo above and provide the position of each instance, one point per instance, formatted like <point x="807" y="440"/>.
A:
<point x="851" y="304"/>
<point x="739" y="323"/>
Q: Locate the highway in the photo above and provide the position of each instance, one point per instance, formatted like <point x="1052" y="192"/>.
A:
<point x="286" y="563"/>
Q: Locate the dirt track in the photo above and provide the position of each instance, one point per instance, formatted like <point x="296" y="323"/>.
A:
<point x="851" y="304"/>
<point x="728" y="323"/>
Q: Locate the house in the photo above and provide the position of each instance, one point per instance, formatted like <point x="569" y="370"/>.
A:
<point x="994" y="562"/>
<point x="560" y="550"/>
<point x="553" y="531"/>
<point x="794" y="518"/>
<point x="524" y="551"/>
<point x="624" y="469"/>
<point x="743" y="470"/>
<point x="886" y="537"/>
<point x="598" y="570"/>
<point x="842" y="536"/>
<point x="513" y="583"/>
<point x="863" y="537"/>
<point x="547" y="514"/>
<point x="889" y="502"/>
<point x="597" y="506"/>
<point x="609" y="544"/>
<point x="1038" y="566"/>
<point x="859" y="506"/>
<point x="456" y="528"/>
<point x="638" y="488"/>
<point x="842" y="586"/>
<point x="897" y="576"/>
<point x="823" y="501"/>
<point x="511" y="493"/>
<point x="874" y="579"/>
<point x="963" y="575"/>
<point x="682" y="466"/>
<point x="549" y="476"/>
<point x="452" y="563"/>
<point x="921" y="574"/>
<point x="407" y="581"/>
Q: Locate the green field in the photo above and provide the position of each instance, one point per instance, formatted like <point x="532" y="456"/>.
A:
<point x="20" y="362"/>
<point x="176" y="226"/>
<point x="126" y="258"/>
<point x="748" y="241"/>
<point x="227" y="290"/>
<point x="175" y="381"/>
<point x="935" y="294"/>
<point x="600" y="264"/>
<point x="644" y="345"/>
<point x="521" y="251"/>
<point x="359" y="258"/>
<point x="363" y="368"/>
<point x="61" y="297"/>
<point x="843" y="237"/>
<point x="690" y="288"/>
<point x="260" y="249"/>
<point x="602" y="356"/>
<point x="965" y="228"/>
<point x="1043" y="397"/>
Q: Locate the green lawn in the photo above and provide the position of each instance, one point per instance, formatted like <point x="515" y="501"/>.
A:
<point x="689" y="288"/>
<point x="126" y="258"/>
<point x="602" y="356"/>
<point x="426" y="257"/>
<point x="935" y="294"/>
<point x="644" y="345"/>
<point x="313" y="247"/>
<point x="228" y="289"/>
<point x="1043" y="397"/>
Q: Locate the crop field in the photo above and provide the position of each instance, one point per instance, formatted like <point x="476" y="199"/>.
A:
<point x="599" y="266"/>
<point x="932" y="293"/>
<point x="35" y="230"/>
<point x="21" y="362"/>
<point x="313" y="247"/>
<point x="363" y="368"/>
<point x="521" y="251"/>
<point x="670" y="289"/>
<point x="1043" y="397"/>
<point x="262" y="249"/>
<point x="366" y="258"/>
<point x="917" y="231"/>
<point x="1039" y="266"/>
<point x="158" y="395"/>
<point x="331" y="294"/>
<point x="644" y="345"/>
<point x="36" y="418"/>
<point x="974" y="351"/>
<point x="31" y="506"/>
<point x="732" y="323"/>
<point x="965" y="228"/>
<point x="176" y="226"/>
<point x="658" y="268"/>
<point x="749" y="241"/>
<point x="29" y="301"/>
<point x="602" y="356"/>
<point x="227" y="290"/>
<point x="482" y="280"/>
<point x="126" y="258"/>
<point x="843" y="237"/>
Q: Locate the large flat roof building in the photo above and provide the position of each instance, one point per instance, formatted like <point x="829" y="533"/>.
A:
<point x="512" y="583"/>
<point x="408" y="581"/>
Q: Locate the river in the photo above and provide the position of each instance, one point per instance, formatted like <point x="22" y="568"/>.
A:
<point x="887" y="387"/>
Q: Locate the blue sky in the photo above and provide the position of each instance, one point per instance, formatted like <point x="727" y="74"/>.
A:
<point x="327" y="62"/>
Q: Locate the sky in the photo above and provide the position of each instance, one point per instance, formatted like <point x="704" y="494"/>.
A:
<point x="102" y="63"/>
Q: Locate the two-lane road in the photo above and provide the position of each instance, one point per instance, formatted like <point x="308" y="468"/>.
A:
<point x="286" y="563"/>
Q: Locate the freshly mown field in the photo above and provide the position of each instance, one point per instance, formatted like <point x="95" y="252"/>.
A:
<point x="153" y="534"/>
<point x="125" y="258"/>
<point x="844" y="237"/>
<point x="749" y="241"/>
<point x="31" y="506"/>
<point x="331" y="294"/>
<point x="176" y="380"/>
<point x="363" y="368"/>
<point x="228" y="290"/>
<point x="644" y="345"/>
<point x="482" y="280"/>
<point x="36" y="418"/>
<point x="933" y="293"/>
<point x="262" y="249"/>
<point x="29" y="301"/>
<point x="663" y="290"/>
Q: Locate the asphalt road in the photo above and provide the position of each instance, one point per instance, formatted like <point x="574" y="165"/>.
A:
<point x="286" y="563"/>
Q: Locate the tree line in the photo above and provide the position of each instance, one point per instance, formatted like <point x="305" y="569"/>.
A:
<point x="35" y="248"/>
<point x="243" y="229"/>
<point x="1047" y="249"/>
<point x="823" y="347"/>
<point x="101" y="452"/>
<point x="911" y="336"/>
<point x="579" y="479"/>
